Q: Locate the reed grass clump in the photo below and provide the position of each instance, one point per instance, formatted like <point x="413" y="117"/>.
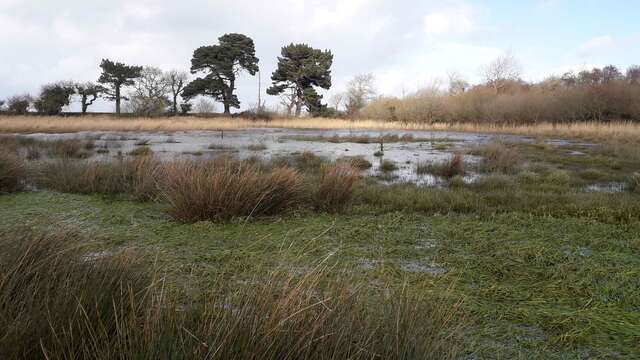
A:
<point x="12" y="172"/>
<point x="336" y="187"/>
<point x="137" y="177"/>
<point x="451" y="168"/>
<point x="68" y="148"/>
<point x="357" y="162"/>
<point x="498" y="157"/>
<point x="388" y="166"/>
<point x="141" y="151"/>
<point x="633" y="183"/>
<point x="221" y="189"/>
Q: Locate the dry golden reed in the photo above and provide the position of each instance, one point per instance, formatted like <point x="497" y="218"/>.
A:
<point x="592" y="130"/>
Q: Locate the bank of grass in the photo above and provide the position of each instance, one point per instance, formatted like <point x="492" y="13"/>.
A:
<point x="105" y="307"/>
<point x="530" y="286"/>
<point x="615" y="130"/>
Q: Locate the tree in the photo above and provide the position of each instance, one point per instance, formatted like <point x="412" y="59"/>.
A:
<point x="633" y="75"/>
<point x="177" y="82"/>
<point x="53" y="97"/>
<point x="457" y="84"/>
<point x="300" y="68"/>
<point x="117" y="75"/>
<point x="501" y="71"/>
<point x="150" y="94"/>
<point x="611" y="73"/>
<point x="19" y="104"/>
<point x="360" y="90"/>
<point x="222" y="64"/>
<point x="89" y="93"/>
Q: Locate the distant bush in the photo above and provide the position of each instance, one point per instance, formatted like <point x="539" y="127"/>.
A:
<point x="12" y="172"/>
<point x="335" y="188"/>
<point x="19" y="105"/>
<point x="223" y="189"/>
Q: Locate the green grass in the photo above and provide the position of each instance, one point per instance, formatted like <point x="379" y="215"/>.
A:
<point x="533" y="286"/>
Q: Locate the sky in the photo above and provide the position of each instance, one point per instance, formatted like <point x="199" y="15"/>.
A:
<point x="406" y="44"/>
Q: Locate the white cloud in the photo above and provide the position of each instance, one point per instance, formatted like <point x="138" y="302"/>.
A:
<point x="596" y="46"/>
<point x="458" y="19"/>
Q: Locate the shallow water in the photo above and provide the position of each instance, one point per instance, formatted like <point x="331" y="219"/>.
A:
<point x="431" y="147"/>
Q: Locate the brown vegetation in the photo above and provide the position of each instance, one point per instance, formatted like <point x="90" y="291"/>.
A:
<point x="58" y="302"/>
<point x="335" y="188"/>
<point x="225" y="188"/>
<point x="448" y="169"/>
<point x="12" y="172"/>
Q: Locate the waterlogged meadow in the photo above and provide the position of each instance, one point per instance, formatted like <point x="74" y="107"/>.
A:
<point x="293" y="243"/>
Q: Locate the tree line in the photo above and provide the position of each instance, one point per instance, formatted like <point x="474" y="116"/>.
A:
<point x="301" y="70"/>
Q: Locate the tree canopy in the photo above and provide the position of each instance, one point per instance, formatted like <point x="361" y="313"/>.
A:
<point x="54" y="97"/>
<point x="117" y="75"/>
<point x="221" y="65"/>
<point x="300" y="69"/>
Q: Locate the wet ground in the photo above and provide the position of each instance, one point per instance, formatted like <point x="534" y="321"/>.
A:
<point x="423" y="146"/>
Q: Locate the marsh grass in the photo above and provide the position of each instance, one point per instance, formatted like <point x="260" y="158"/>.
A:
<point x="633" y="183"/>
<point x="141" y="151"/>
<point x="222" y="189"/>
<point x="498" y="157"/>
<point x="136" y="177"/>
<point x="13" y="172"/>
<point x="448" y="169"/>
<point x="257" y="147"/>
<point x="357" y="162"/>
<point x="387" y="166"/>
<point x="68" y="148"/>
<point x="335" y="187"/>
<point x="119" y="307"/>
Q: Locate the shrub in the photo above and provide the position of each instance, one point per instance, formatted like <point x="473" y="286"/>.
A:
<point x="12" y="172"/>
<point x="335" y="189"/>
<point x="498" y="157"/>
<point x="223" y="189"/>
<point x="449" y="169"/>
<point x="388" y="166"/>
<point x="116" y="307"/>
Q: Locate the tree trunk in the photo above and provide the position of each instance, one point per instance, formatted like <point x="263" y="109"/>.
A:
<point x="175" y="104"/>
<point x="118" y="99"/>
<point x="84" y="104"/>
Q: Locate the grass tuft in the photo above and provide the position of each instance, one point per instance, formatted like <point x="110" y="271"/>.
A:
<point x="388" y="166"/>
<point x="224" y="188"/>
<point x="336" y="186"/>
<point x="12" y="172"/>
<point x="498" y="157"/>
<point x="449" y="169"/>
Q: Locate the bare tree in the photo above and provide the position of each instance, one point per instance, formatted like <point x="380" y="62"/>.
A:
<point x="290" y="100"/>
<point x="501" y="71"/>
<point x="457" y="83"/>
<point x="177" y="82"/>
<point x="633" y="75"/>
<point x="337" y="100"/>
<point x="360" y="90"/>
<point x="205" y="106"/>
<point x="150" y="95"/>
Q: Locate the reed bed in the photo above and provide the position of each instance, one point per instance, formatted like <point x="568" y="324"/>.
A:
<point x="616" y="130"/>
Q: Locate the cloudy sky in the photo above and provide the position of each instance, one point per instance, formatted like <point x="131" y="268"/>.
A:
<point x="406" y="44"/>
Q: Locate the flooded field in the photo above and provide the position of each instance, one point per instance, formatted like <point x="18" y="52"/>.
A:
<point x="403" y="148"/>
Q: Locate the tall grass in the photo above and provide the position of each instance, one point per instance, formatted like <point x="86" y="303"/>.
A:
<point x="498" y="157"/>
<point x="222" y="189"/>
<point x="56" y="303"/>
<point x="336" y="187"/>
<point x="451" y="168"/>
<point x="12" y="172"/>
<point x="138" y="177"/>
<point x="613" y="130"/>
